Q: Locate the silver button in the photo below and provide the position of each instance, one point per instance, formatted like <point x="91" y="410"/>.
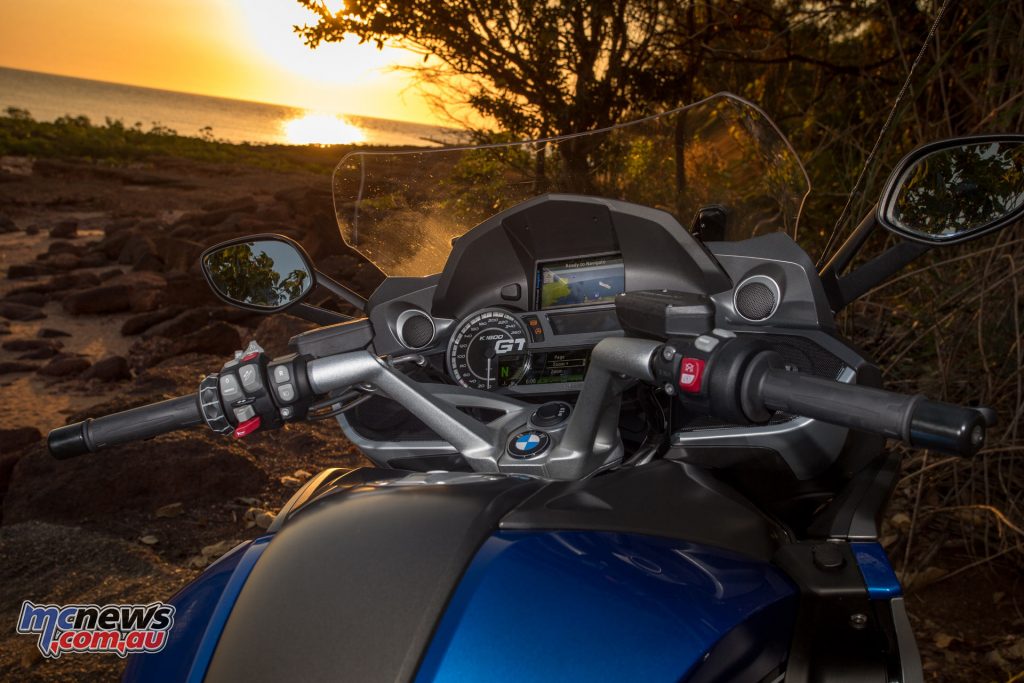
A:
<point x="229" y="389"/>
<point x="281" y="374"/>
<point x="250" y="375"/>
<point x="706" y="343"/>
<point x="286" y="392"/>
<point x="724" y="334"/>
<point x="286" y="413"/>
<point x="244" y="413"/>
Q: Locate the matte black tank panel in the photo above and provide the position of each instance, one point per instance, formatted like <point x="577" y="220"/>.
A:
<point x="351" y="587"/>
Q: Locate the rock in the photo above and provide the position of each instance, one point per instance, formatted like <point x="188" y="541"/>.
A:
<point x="149" y="539"/>
<point x="301" y="475"/>
<point x="13" y="311"/>
<point x="6" y="224"/>
<point x="274" y="331"/>
<point x="37" y="299"/>
<point x="32" y="230"/>
<point x="110" y="274"/>
<point x="64" y="247"/>
<point x="170" y="510"/>
<point x="290" y="482"/>
<point x="149" y="262"/>
<point x="135" y="248"/>
<point x="65" y="228"/>
<point x="247" y="500"/>
<point x="24" y="270"/>
<point x="50" y="333"/>
<point x="73" y="281"/>
<point x="179" y="325"/>
<point x="64" y="366"/>
<point x="212" y="552"/>
<point x="264" y="519"/>
<point x="218" y="338"/>
<point x="103" y="299"/>
<point x="65" y="261"/>
<point x="30" y="344"/>
<point x="92" y="261"/>
<point x="141" y="280"/>
<point x="5" y="327"/>
<point x="17" y="438"/>
<point x="109" y="369"/>
<point x="41" y="353"/>
<point x="138" y="324"/>
<point x="10" y="367"/>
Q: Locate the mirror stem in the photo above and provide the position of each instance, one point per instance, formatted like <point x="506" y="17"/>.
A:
<point x="854" y="285"/>
<point x="341" y="291"/>
<point x="844" y="255"/>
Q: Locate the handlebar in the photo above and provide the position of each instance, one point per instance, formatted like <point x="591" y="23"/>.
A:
<point x="912" y="419"/>
<point x="139" y="423"/>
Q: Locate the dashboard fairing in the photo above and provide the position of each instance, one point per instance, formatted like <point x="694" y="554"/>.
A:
<point x="500" y="266"/>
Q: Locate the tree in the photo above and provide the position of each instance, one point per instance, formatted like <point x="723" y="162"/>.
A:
<point x="535" y="68"/>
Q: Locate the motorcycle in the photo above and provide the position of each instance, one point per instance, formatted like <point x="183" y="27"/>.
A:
<point x="606" y="446"/>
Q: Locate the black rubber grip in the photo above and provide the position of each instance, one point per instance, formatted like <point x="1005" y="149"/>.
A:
<point x="136" y="424"/>
<point x="911" y="419"/>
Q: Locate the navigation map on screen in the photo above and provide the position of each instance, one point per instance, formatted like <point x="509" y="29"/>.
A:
<point x="580" y="281"/>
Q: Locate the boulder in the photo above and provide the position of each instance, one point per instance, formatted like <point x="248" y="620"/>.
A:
<point x="135" y="248"/>
<point x="6" y="224"/>
<point x="17" y="438"/>
<point x="218" y="338"/>
<point x="92" y="260"/>
<point x="64" y="366"/>
<point x="64" y="247"/>
<point x="42" y="353"/>
<point x="5" y="327"/>
<point x="189" y="321"/>
<point x="138" y="324"/>
<point x="65" y="228"/>
<point x="30" y="344"/>
<point x="64" y="261"/>
<point x="37" y="299"/>
<point x="10" y="367"/>
<point x="103" y="299"/>
<point x="51" y="333"/>
<point x="13" y="311"/>
<point x="109" y="369"/>
<point x="110" y="274"/>
<point x="274" y="331"/>
<point x="23" y="270"/>
<point x="72" y="281"/>
<point x="178" y="254"/>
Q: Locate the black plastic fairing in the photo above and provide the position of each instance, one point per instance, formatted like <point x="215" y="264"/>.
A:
<point x="352" y="585"/>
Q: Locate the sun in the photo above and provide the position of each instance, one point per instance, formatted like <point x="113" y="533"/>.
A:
<point x="321" y="129"/>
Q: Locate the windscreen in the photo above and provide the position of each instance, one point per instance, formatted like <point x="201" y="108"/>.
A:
<point x="402" y="210"/>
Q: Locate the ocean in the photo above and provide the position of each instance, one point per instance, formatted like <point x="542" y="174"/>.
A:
<point x="47" y="97"/>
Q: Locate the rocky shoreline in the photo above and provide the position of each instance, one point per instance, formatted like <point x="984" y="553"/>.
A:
<point x="102" y="307"/>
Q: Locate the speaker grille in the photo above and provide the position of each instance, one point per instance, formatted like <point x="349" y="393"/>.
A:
<point x="755" y="300"/>
<point x="415" y="329"/>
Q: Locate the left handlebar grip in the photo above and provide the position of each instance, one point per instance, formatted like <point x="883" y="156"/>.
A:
<point x="136" y="424"/>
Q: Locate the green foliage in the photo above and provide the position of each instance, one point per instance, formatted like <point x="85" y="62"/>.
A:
<point x="114" y="142"/>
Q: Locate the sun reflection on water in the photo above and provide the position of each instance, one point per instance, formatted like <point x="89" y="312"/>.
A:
<point x="322" y="129"/>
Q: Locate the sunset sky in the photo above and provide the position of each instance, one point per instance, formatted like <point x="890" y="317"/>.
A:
<point x="243" y="49"/>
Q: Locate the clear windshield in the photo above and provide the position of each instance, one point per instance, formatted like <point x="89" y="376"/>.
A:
<point x="403" y="209"/>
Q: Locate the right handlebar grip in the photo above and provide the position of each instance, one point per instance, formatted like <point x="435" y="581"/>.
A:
<point x="911" y="419"/>
<point x="139" y="423"/>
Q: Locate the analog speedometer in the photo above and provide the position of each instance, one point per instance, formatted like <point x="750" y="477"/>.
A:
<point x="488" y="350"/>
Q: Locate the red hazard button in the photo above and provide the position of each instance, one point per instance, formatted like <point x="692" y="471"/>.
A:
<point x="691" y="371"/>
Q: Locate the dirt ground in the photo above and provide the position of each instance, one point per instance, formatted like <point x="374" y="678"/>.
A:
<point x="103" y="308"/>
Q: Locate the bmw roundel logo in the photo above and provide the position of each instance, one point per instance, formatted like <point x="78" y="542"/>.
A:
<point x="528" y="444"/>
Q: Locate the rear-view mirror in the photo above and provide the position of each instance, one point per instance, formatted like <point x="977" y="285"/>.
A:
<point x="265" y="273"/>
<point x="955" y="190"/>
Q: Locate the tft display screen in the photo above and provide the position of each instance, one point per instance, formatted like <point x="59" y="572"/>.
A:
<point x="591" y="280"/>
<point x="557" y="367"/>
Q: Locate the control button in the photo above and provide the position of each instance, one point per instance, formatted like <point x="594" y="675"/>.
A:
<point x="511" y="292"/>
<point x="244" y="413"/>
<point x="281" y="374"/>
<point x="246" y="428"/>
<point x="286" y="392"/>
<point x="250" y="375"/>
<point x="827" y="556"/>
<point x="691" y="372"/>
<point x="724" y="334"/>
<point x="229" y="389"/>
<point x="528" y="444"/>
<point x="551" y="414"/>
<point x="536" y="330"/>
<point x="287" y="412"/>
<point x="706" y="343"/>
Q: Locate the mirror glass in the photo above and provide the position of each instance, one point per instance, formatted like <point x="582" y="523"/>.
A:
<point x="953" y="192"/>
<point x="262" y="274"/>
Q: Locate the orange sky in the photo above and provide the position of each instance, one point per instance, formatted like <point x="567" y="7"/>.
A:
<point x="243" y="49"/>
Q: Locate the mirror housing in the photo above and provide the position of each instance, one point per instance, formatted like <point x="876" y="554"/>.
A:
<point x="264" y="273"/>
<point x="955" y="190"/>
